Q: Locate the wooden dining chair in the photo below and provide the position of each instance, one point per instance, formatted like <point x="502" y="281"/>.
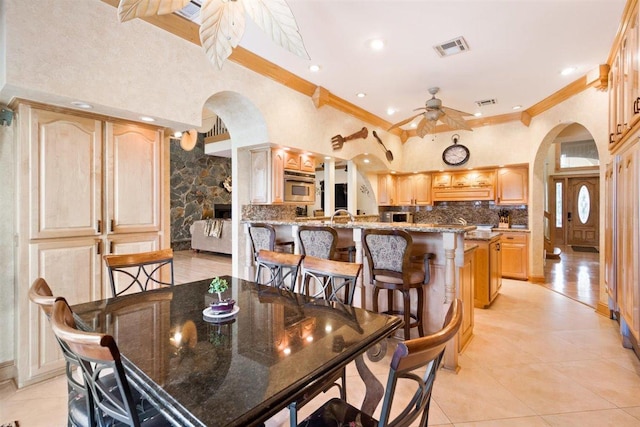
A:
<point x="278" y="269"/>
<point x="333" y="281"/>
<point x="392" y="268"/>
<point x="142" y="269"/>
<point x="424" y="352"/>
<point x="80" y="403"/>
<point x="99" y="360"/>
<point x="329" y="279"/>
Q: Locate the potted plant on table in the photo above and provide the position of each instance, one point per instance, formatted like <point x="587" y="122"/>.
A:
<point x="219" y="286"/>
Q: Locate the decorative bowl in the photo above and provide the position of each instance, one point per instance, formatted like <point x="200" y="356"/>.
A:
<point x="224" y="306"/>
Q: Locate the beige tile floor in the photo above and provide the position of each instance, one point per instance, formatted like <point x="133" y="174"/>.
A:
<point x="537" y="358"/>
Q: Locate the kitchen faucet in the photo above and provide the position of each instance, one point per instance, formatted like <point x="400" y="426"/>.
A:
<point x="461" y="221"/>
<point x="351" y="217"/>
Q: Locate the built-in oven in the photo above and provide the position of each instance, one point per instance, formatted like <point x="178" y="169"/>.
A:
<point x="396" y="216"/>
<point x="299" y="187"/>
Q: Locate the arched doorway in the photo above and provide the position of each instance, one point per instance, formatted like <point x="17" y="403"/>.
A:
<point x="569" y="161"/>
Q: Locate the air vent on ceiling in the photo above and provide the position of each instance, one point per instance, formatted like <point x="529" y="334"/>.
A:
<point x="191" y="11"/>
<point x="485" y="102"/>
<point x="451" y="47"/>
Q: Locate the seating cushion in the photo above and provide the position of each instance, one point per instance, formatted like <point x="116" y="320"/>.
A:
<point x="416" y="276"/>
<point x="338" y="413"/>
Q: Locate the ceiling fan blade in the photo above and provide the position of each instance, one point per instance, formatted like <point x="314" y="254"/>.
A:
<point x="448" y="110"/>
<point x="455" y="122"/>
<point x="404" y="122"/>
<point x="424" y="127"/>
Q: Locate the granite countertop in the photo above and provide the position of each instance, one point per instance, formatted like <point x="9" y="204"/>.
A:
<point x="512" y="230"/>
<point x="339" y="218"/>
<point x="482" y="235"/>
<point x="407" y="226"/>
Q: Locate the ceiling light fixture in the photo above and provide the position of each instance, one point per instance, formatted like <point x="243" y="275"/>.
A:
<point x="314" y="68"/>
<point x="366" y="160"/>
<point x="147" y="119"/>
<point x="517" y="107"/>
<point x="223" y="22"/>
<point x="478" y="114"/>
<point x="81" y="104"/>
<point x="567" y="71"/>
<point x="391" y="111"/>
<point x="376" y="44"/>
<point x="361" y="94"/>
<point x="188" y="139"/>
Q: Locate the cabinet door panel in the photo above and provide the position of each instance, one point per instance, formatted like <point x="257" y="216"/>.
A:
<point x="133" y="181"/>
<point x="277" y="180"/>
<point x="72" y="269"/>
<point x="404" y="190"/>
<point x="513" y="186"/>
<point x="422" y="189"/>
<point x="260" y="172"/>
<point x="65" y="165"/>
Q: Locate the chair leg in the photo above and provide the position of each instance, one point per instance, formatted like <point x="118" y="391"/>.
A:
<point x="420" y="311"/>
<point x="293" y="415"/>
<point x="376" y="292"/>
<point x="343" y="389"/>
<point x="407" y="314"/>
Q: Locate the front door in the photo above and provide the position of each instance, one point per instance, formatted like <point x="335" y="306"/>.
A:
<point x="582" y="211"/>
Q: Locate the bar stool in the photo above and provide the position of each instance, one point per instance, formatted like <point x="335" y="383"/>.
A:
<point x="263" y="236"/>
<point x="389" y="257"/>
<point x="278" y="269"/>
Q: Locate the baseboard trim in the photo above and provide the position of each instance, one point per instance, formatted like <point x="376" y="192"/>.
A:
<point x="536" y="279"/>
<point x="603" y="309"/>
<point x="7" y="371"/>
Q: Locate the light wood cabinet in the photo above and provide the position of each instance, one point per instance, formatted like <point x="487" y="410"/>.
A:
<point x="276" y="178"/>
<point x="628" y="242"/>
<point x="291" y="160"/>
<point x="307" y="163"/>
<point x="83" y="182"/>
<point x="488" y="271"/>
<point x="414" y="189"/>
<point x="513" y="186"/>
<point x="514" y="247"/>
<point x="609" y="234"/>
<point x="466" y="293"/>
<point x="261" y="176"/>
<point x="386" y="189"/>
<point x="624" y="83"/>
<point x="299" y="162"/>
<point x="461" y="186"/>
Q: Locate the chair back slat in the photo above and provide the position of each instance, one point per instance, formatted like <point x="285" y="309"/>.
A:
<point x="336" y="280"/>
<point x="97" y="355"/>
<point x="140" y="269"/>
<point x="410" y="355"/>
<point x="278" y="269"/>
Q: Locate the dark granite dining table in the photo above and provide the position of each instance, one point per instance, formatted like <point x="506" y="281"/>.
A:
<point x="233" y="371"/>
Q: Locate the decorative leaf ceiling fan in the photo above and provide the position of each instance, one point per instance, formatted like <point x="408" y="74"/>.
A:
<point x="223" y="22"/>
<point x="434" y="111"/>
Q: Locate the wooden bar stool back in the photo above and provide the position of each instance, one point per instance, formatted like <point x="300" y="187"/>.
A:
<point x="98" y="355"/>
<point x="139" y="271"/>
<point x="424" y="352"/>
<point x="278" y="269"/>
<point x="80" y="411"/>
<point x="331" y="280"/>
<point x="391" y="268"/>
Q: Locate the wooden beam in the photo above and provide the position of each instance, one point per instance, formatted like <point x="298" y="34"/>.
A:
<point x="556" y="98"/>
<point x="525" y="118"/>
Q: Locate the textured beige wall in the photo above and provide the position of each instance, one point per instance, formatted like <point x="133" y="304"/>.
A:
<point x="7" y="208"/>
<point x="60" y="51"/>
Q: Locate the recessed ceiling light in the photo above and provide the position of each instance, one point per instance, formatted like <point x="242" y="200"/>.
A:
<point x="517" y="107"/>
<point x="285" y="148"/>
<point x="361" y="94"/>
<point x="391" y="111"/>
<point x="393" y="171"/>
<point x="478" y="114"/>
<point x="177" y="134"/>
<point x="147" y="119"/>
<point x="366" y="160"/>
<point x="81" y="104"/>
<point x="568" y="70"/>
<point x="327" y="157"/>
<point x="414" y="125"/>
<point x="314" y="68"/>
<point x="376" y="44"/>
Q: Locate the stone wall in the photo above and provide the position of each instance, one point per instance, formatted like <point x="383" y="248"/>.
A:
<point x="478" y="212"/>
<point x="196" y="184"/>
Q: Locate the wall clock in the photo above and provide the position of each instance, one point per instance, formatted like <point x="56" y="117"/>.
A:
<point x="455" y="154"/>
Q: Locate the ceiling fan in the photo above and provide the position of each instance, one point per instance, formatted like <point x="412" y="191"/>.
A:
<point x="434" y="111"/>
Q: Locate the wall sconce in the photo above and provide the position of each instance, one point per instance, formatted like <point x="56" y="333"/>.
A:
<point x="6" y="116"/>
<point x="188" y="139"/>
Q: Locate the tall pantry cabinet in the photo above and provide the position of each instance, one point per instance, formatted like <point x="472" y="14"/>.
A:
<point x="86" y="186"/>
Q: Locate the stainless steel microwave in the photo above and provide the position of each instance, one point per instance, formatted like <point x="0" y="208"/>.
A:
<point x="299" y="187"/>
<point x="396" y="217"/>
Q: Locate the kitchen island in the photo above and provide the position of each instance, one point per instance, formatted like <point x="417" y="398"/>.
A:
<point x="448" y="267"/>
